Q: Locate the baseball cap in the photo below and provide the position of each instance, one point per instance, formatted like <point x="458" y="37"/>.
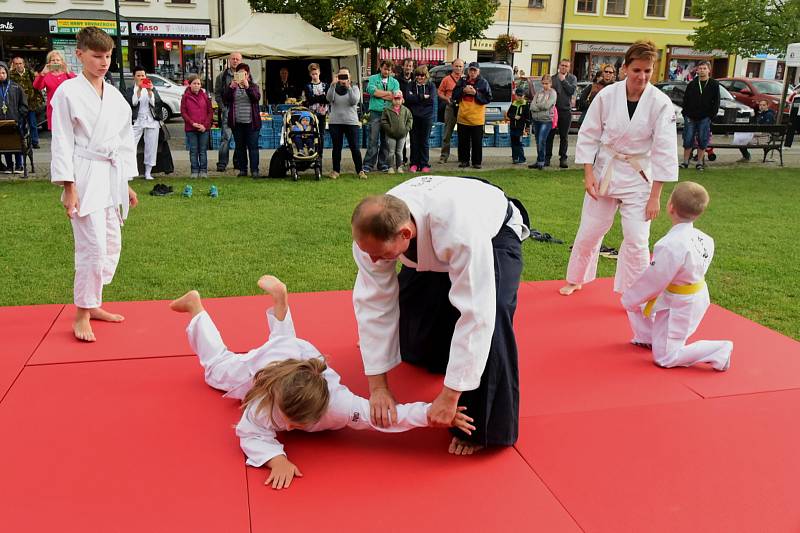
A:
<point x="475" y="65"/>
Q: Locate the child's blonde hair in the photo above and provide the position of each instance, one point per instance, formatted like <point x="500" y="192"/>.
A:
<point x="689" y="199"/>
<point x="296" y="387"/>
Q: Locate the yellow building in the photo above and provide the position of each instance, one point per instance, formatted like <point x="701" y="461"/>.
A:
<point x="600" y="31"/>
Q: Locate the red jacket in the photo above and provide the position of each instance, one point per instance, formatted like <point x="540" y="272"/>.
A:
<point x="195" y="108"/>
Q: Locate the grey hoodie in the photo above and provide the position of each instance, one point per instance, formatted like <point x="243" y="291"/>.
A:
<point x="12" y="99"/>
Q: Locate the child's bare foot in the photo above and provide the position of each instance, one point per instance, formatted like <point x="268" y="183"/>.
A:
<point x="188" y="303"/>
<point x="272" y="286"/>
<point x="462" y="447"/>
<point x="569" y="288"/>
<point x="82" y="328"/>
<point x="98" y="313"/>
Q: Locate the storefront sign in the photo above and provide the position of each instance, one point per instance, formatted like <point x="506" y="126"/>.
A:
<point x="685" y="51"/>
<point x="20" y="25"/>
<point x="487" y="45"/>
<point x="71" y="26"/>
<point x="602" y="48"/>
<point x="793" y="55"/>
<point x="170" y="28"/>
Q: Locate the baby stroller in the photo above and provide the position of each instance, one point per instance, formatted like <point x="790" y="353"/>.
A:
<point x="309" y="155"/>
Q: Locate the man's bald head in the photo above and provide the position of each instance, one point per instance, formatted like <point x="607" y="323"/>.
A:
<point x="380" y="216"/>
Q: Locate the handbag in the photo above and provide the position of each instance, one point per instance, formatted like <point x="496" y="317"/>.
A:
<point x="555" y="117"/>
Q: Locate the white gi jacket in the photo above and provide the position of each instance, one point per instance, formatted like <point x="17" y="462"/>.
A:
<point x="681" y="257"/>
<point x="456" y="220"/>
<point x="607" y="130"/>
<point x="234" y="373"/>
<point x="93" y="145"/>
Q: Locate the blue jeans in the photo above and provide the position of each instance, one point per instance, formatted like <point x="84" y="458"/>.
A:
<point x="377" y="150"/>
<point x="198" y="144"/>
<point x="421" y="142"/>
<point x="246" y="139"/>
<point x="225" y="139"/>
<point x="517" y="151"/>
<point x="701" y="129"/>
<point x="542" y="130"/>
<point x="34" y="127"/>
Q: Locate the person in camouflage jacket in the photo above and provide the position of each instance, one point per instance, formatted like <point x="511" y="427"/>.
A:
<point x="23" y="76"/>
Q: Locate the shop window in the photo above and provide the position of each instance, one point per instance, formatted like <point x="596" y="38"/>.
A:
<point x="687" y="10"/>
<point x="540" y="65"/>
<point x="586" y="6"/>
<point x="656" y="8"/>
<point x="536" y="3"/>
<point x="616" y="7"/>
<point x="485" y="56"/>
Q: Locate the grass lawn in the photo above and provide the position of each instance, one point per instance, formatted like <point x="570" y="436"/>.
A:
<point x="300" y="232"/>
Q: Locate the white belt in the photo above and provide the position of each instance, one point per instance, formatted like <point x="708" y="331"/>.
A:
<point x="631" y="159"/>
<point x="119" y="188"/>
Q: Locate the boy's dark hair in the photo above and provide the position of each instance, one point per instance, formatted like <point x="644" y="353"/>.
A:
<point x="93" y="38"/>
<point x="138" y="68"/>
<point x="387" y="62"/>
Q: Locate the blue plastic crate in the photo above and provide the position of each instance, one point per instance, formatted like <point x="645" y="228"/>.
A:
<point x="488" y="141"/>
<point x="526" y="140"/>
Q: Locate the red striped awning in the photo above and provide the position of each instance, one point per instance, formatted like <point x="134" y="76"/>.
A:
<point x="420" y="55"/>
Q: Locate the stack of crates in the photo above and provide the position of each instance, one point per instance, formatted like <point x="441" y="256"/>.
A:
<point x="436" y="135"/>
<point x="489" y="138"/>
<point x="502" y="136"/>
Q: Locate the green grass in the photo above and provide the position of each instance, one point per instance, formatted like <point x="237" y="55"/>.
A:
<point x="300" y="232"/>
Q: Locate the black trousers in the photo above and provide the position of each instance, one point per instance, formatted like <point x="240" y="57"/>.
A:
<point x="427" y="322"/>
<point x="470" y="142"/>
<point x="564" y="120"/>
<point x="338" y="132"/>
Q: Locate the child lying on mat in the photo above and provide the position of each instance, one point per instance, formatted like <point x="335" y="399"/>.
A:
<point x="284" y="385"/>
<point x="668" y="301"/>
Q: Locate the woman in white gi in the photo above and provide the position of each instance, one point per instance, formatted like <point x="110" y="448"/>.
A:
<point x="284" y="385"/>
<point x="627" y="145"/>
<point x="668" y="301"/>
<point x="146" y="103"/>
<point x="93" y="157"/>
<point x="451" y="308"/>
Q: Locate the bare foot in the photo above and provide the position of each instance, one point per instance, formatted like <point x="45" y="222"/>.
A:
<point x="98" y="313"/>
<point x="272" y="286"/>
<point x="568" y="289"/>
<point x="188" y="303"/>
<point x="82" y="328"/>
<point x="462" y="447"/>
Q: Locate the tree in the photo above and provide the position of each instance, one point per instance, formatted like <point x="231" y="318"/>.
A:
<point x="747" y="27"/>
<point x="386" y="23"/>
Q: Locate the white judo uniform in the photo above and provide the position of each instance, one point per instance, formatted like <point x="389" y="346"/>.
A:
<point x="93" y="147"/>
<point x="675" y="284"/>
<point x="618" y="146"/>
<point x="234" y="373"/>
<point x="146" y="125"/>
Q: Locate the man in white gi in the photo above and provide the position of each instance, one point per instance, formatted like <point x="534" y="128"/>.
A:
<point x="93" y="157"/>
<point x="628" y="150"/>
<point x="146" y="104"/>
<point x="666" y="304"/>
<point x="451" y="308"/>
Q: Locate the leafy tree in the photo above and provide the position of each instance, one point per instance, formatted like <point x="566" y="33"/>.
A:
<point x="386" y="23"/>
<point x="747" y="27"/>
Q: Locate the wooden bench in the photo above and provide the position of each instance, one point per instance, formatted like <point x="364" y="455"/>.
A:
<point x="13" y="141"/>
<point x="769" y="137"/>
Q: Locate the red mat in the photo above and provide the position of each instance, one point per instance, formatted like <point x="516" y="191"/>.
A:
<point x="363" y="481"/>
<point x="726" y="464"/>
<point x="23" y="329"/>
<point x="125" y="446"/>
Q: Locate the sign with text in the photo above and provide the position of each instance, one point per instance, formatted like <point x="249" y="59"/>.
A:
<point x="487" y="45"/>
<point x="602" y="48"/>
<point x="73" y="26"/>
<point x="793" y="55"/>
<point x="170" y="28"/>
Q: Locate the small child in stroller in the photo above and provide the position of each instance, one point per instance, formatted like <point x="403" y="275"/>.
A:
<point x="303" y="143"/>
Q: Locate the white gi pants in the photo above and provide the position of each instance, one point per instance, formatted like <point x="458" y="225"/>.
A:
<point x="98" y="242"/>
<point x="223" y="368"/>
<point x="150" y="133"/>
<point x="669" y="342"/>
<point x="596" y="219"/>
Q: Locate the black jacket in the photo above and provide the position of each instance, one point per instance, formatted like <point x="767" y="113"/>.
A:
<point x="421" y="107"/>
<point x="154" y="107"/>
<point x="16" y="104"/>
<point x="483" y="91"/>
<point x="699" y="104"/>
<point x="224" y="79"/>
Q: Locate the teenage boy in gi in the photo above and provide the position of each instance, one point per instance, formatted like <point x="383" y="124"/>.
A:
<point x="94" y="157"/>
<point x="666" y="304"/>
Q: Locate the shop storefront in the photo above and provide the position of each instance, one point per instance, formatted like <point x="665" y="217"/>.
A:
<point x="172" y="49"/>
<point x="63" y="29"/>
<point x="25" y="37"/>
<point x="682" y="62"/>
<point x="587" y="57"/>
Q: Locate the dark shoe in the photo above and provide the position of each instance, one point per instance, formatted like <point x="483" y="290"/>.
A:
<point x="18" y="169"/>
<point x="463" y="164"/>
<point x="563" y="164"/>
<point x="547" y="163"/>
<point x="242" y="174"/>
<point x="533" y="165"/>
<point x="35" y="146"/>
<point x="220" y="168"/>
<point x="255" y="175"/>
<point x="685" y="164"/>
<point x="700" y="166"/>
<point x="476" y="166"/>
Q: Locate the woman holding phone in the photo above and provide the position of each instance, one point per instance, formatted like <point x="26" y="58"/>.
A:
<point x="344" y="97"/>
<point x="54" y="73"/>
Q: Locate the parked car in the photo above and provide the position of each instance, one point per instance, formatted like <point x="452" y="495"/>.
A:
<point x="501" y="81"/>
<point x="750" y="91"/>
<point x="729" y="108"/>
<point x="169" y="91"/>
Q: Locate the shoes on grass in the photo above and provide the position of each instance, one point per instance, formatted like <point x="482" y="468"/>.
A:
<point x="537" y="235"/>
<point x="187" y="191"/>
<point x="213" y="192"/>
<point x="159" y="189"/>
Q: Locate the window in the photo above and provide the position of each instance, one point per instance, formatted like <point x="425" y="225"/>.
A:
<point x="180" y="1"/>
<point x="536" y="3"/>
<point x="616" y="7"/>
<point x="687" y="9"/>
<point x="540" y="65"/>
<point x="586" y="6"/>
<point x="656" y="8"/>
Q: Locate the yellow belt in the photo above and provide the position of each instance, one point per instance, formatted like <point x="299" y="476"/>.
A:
<point x="694" y="288"/>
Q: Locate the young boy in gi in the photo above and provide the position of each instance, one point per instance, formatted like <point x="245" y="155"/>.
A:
<point x="668" y="301"/>
<point x="94" y="157"/>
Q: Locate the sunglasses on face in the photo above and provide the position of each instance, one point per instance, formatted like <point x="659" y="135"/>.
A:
<point x="608" y="72"/>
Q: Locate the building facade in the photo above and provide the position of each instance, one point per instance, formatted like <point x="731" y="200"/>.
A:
<point x="601" y="31"/>
<point x="164" y="36"/>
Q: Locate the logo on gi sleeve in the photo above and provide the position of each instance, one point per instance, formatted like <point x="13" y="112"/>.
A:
<point x="356" y="416"/>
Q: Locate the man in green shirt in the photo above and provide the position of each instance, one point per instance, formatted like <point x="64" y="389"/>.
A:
<point x="380" y="88"/>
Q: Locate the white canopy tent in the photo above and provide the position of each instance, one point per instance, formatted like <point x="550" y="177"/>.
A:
<point x="278" y="36"/>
